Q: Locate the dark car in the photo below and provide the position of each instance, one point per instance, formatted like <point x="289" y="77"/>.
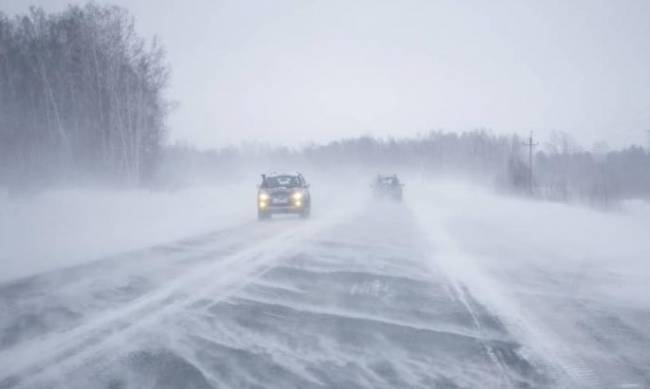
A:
<point x="387" y="187"/>
<point x="283" y="193"/>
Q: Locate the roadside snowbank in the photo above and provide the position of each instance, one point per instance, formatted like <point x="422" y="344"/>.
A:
<point x="67" y="227"/>
<point x="572" y="283"/>
<point x="506" y="234"/>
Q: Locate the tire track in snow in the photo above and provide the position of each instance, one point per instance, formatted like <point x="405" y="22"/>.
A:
<point x="357" y="306"/>
<point x="463" y="273"/>
<point x="44" y="357"/>
<point x="105" y="283"/>
<point x="463" y="296"/>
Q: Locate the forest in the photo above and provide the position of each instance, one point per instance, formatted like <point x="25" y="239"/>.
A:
<point x="81" y="98"/>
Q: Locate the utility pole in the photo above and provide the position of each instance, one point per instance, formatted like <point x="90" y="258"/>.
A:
<point x="530" y="146"/>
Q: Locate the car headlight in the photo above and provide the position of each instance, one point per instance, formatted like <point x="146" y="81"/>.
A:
<point x="297" y="196"/>
<point x="263" y="196"/>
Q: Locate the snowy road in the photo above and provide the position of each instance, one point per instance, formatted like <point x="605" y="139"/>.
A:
<point x="364" y="299"/>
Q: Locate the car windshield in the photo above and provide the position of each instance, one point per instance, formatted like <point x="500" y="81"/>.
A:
<point x="284" y="181"/>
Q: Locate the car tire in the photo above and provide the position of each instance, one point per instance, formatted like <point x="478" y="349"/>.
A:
<point x="263" y="215"/>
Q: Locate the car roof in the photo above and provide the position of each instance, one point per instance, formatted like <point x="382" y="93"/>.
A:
<point x="274" y="174"/>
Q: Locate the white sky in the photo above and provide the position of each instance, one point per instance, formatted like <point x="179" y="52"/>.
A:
<point x="315" y="70"/>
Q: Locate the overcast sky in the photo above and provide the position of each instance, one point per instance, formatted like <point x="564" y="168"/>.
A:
<point x="312" y="70"/>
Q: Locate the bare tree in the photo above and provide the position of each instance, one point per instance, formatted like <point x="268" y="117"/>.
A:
<point x="82" y="97"/>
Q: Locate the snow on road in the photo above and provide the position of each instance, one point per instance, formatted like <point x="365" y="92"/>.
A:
<point x="453" y="289"/>
<point x="571" y="284"/>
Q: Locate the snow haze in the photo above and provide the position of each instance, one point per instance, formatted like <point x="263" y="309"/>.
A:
<point x="366" y="194"/>
<point x="543" y="288"/>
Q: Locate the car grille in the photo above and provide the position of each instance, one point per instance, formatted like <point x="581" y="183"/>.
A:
<point x="280" y="198"/>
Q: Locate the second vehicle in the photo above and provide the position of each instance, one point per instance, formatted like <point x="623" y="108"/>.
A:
<point x="387" y="187"/>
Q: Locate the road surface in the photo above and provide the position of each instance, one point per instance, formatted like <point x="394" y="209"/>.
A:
<point x="345" y="300"/>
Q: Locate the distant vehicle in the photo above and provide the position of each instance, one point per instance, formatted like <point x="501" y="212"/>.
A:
<point x="387" y="187"/>
<point x="283" y="193"/>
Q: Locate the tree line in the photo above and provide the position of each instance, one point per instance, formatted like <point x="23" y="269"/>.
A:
<point x="562" y="171"/>
<point x="81" y="97"/>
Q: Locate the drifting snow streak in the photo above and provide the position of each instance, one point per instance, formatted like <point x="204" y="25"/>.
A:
<point x="567" y="333"/>
<point x="465" y="276"/>
<point x="214" y="279"/>
<point x="332" y="303"/>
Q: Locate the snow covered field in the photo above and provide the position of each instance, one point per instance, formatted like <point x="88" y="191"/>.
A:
<point x="456" y="287"/>
<point x="68" y="227"/>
